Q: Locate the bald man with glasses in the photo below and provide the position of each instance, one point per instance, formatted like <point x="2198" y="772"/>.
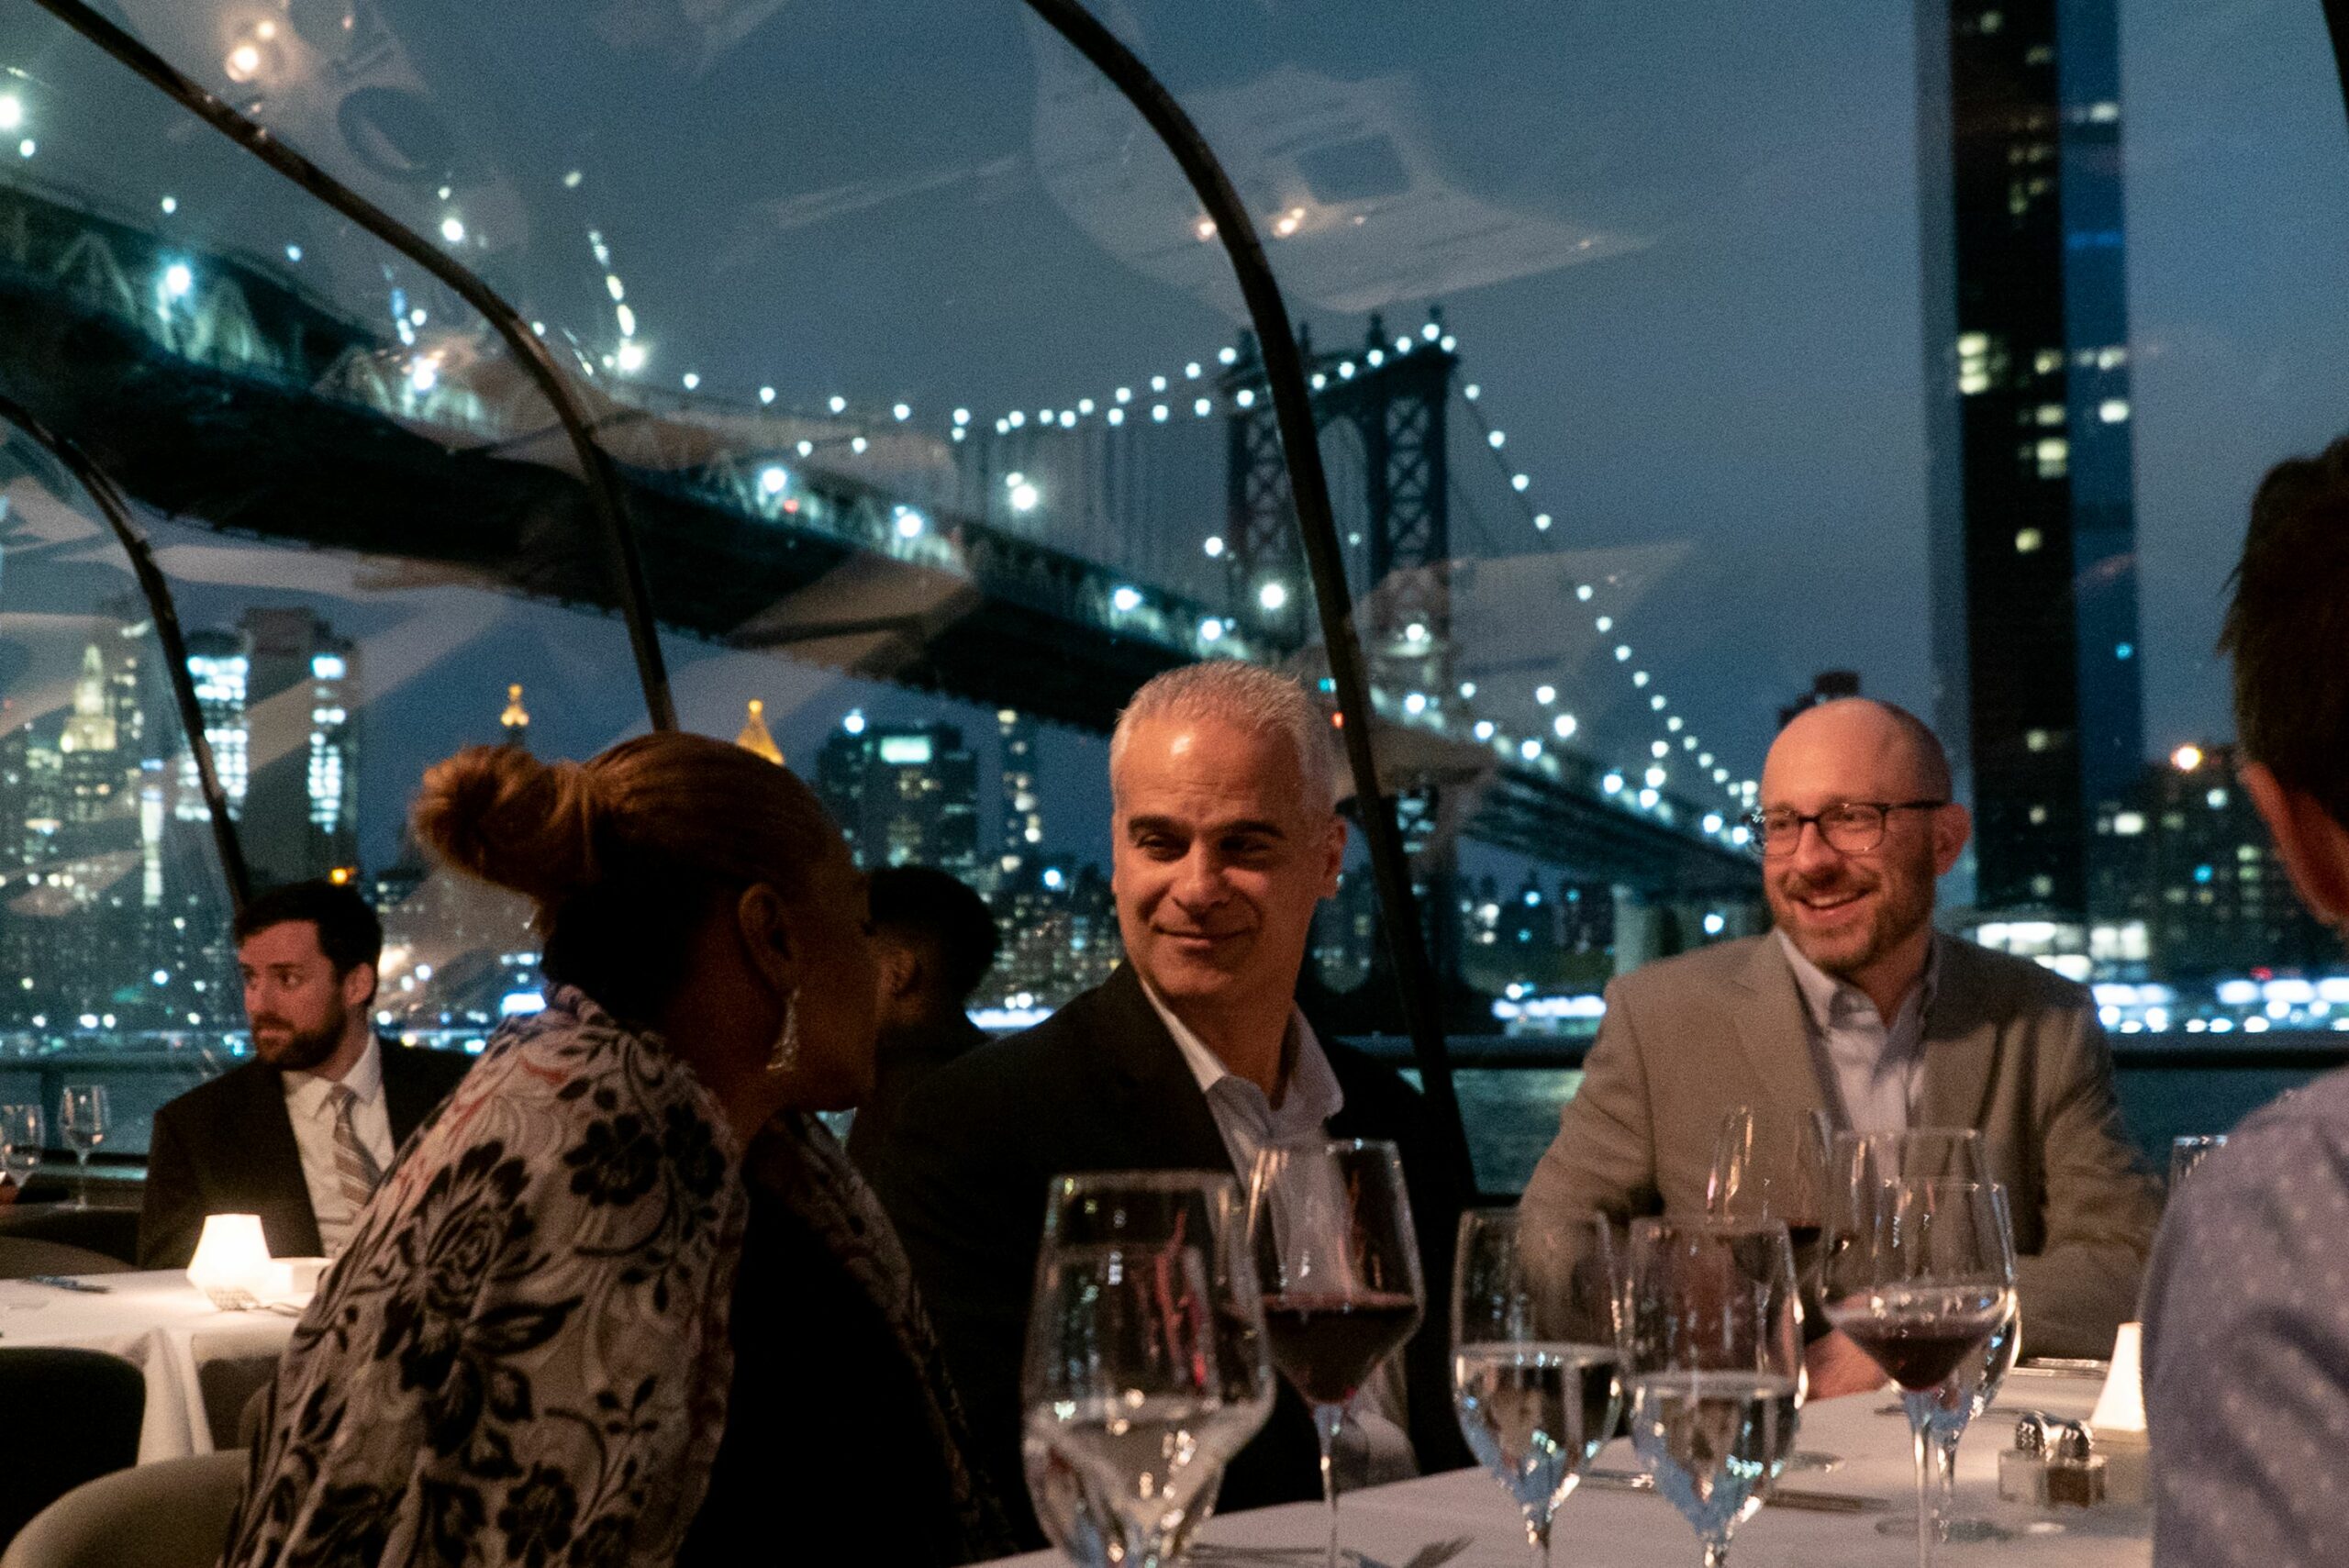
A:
<point x="1856" y="1007"/>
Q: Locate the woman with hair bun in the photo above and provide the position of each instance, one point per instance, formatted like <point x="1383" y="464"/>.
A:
<point x="525" y="1356"/>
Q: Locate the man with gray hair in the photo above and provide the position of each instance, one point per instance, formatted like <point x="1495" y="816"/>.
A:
<point x="1192" y="1056"/>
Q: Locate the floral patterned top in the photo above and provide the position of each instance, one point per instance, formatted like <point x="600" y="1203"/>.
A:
<point x="522" y="1358"/>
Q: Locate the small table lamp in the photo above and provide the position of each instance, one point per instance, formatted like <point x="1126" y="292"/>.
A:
<point x="231" y="1262"/>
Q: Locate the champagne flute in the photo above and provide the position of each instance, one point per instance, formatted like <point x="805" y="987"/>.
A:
<point x="1920" y="1273"/>
<point x="21" y="1140"/>
<point x="1331" y="1224"/>
<point x="1125" y="1383"/>
<point x="1716" y="1350"/>
<point x="1147" y="1210"/>
<point x="1768" y="1165"/>
<point x="82" y="1118"/>
<point x="1537" y="1356"/>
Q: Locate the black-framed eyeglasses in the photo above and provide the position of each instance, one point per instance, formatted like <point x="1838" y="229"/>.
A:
<point x="1851" y="827"/>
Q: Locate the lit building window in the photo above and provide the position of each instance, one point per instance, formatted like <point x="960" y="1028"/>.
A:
<point x="2112" y="410"/>
<point x="2027" y="541"/>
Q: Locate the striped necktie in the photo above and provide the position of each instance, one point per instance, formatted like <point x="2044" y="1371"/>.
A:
<point x="355" y="1169"/>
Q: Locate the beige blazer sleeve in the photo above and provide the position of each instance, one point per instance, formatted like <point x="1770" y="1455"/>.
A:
<point x="1603" y="1159"/>
<point x="2099" y="1207"/>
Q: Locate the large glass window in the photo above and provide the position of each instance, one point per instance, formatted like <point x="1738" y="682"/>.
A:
<point x="1673" y="369"/>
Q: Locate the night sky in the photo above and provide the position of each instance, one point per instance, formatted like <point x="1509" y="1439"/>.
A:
<point x="1720" y="392"/>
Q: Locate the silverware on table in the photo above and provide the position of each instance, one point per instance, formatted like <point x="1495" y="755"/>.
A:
<point x="67" y="1282"/>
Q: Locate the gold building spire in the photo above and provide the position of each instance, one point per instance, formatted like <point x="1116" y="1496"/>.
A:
<point x="516" y="719"/>
<point x="755" y="737"/>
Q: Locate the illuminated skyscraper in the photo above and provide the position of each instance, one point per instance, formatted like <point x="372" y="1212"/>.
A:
<point x="1021" y="835"/>
<point x="2030" y="489"/>
<point x="906" y="794"/>
<point x="300" y="817"/>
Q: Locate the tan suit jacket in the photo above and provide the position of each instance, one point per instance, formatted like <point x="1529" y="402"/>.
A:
<point x="2009" y="1049"/>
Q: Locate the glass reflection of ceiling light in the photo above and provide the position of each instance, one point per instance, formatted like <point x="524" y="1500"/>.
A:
<point x="169" y="205"/>
<point x="1024" y="497"/>
<point x="807" y="449"/>
<point x="766" y="394"/>
<point x="1484" y="729"/>
<point x="178" y="279"/>
<point x="1244" y="398"/>
<point x="631" y="357"/>
<point x="909" y="523"/>
<point x="1545" y="695"/>
<point x="857" y="446"/>
<point x="570" y="179"/>
<point x="1192" y="370"/>
<point x="452" y="229"/>
<point x="617" y="289"/>
<point x="1284" y="225"/>
<point x="1204" y="229"/>
<point x="903" y="411"/>
<point x="1125" y="601"/>
<point x="1564" y="725"/>
<point x="627" y="320"/>
<point x="1203" y="407"/>
<point x="243" y="62"/>
<point x="691" y="379"/>
<point x="1415" y="704"/>
<point x="1272" y="595"/>
<point x="1226" y="355"/>
<point x="1521" y="483"/>
<point x="772" y="479"/>
<point x="1499" y="439"/>
<point x="1471" y="392"/>
<point x="1377" y="357"/>
<point x="423" y="375"/>
<point x="1214" y="547"/>
<point x="839" y="405"/>
<point x="961" y="416"/>
<point x="1210" y="629"/>
<point x="293" y="253"/>
<point x="1529" y="749"/>
<point x="26" y="147"/>
<point x="11" y="111"/>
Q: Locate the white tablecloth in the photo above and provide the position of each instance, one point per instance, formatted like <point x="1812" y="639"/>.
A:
<point x="1629" y="1530"/>
<point x="160" y="1322"/>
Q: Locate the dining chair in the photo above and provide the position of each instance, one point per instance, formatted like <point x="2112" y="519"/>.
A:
<point x="173" y="1514"/>
<point x="90" y="1405"/>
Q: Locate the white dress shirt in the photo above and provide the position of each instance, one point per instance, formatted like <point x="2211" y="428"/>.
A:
<point x="309" y="1106"/>
<point x="1874" y="1068"/>
<point x="1248" y="1121"/>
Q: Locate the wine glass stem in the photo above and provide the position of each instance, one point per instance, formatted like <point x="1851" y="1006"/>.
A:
<point x="1920" y="1440"/>
<point x="1946" y="1434"/>
<point x="1328" y="1421"/>
<point x="1538" y="1534"/>
<point x="82" y="1186"/>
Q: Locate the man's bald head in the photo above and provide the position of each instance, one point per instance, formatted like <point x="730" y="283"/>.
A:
<point x="1862" y="740"/>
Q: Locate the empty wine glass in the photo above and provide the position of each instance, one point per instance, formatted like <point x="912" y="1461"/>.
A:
<point x="1536" y="1355"/>
<point x="1772" y="1164"/>
<point x="1864" y="1161"/>
<point x="1141" y="1209"/>
<point x="82" y="1119"/>
<point x="1920" y="1273"/>
<point x="1331" y="1224"/>
<point x="1715" y="1346"/>
<point x="22" y="1137"/>
<point x="1129" y="1383"/>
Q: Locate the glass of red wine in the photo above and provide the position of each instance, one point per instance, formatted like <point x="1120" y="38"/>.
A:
<point x="1331" y="1227"/>
<point x="1920" y="1275"/>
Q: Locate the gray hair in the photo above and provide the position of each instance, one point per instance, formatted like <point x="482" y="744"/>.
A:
<point x="1250" y="698"/>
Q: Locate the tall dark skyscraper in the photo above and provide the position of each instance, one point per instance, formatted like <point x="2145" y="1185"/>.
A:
<point x="2033" y="532"/>
<point x="903" y="795"/>
<point x="300" y="812"/>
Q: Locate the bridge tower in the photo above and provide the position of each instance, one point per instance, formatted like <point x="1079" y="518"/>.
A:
<point x="1395" y="400"/>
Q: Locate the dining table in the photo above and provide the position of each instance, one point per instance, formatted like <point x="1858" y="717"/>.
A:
<point x="166" y="1327"/>
<point x="1464" y="1519"/>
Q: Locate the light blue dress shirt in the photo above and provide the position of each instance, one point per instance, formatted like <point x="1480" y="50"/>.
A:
<point x="1873" y="1069"/>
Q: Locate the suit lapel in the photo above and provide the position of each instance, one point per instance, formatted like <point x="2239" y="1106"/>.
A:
<point x="1961" y="1046"/>
<point x="1163" y="1112"/>
<point x="1777" y="1042"/>
<point x="276" y="1157"/>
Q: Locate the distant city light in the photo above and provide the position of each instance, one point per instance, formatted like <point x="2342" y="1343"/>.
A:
<point x="1545" y="695"/>
<point x="1214" y="547"/>
<point x="1415" y="704"/>
<point x="1499" y="439"/>
<point x="1126" y="600"/>
<point x="772" y="479"/>
<point x="692" y="380"/>
<point x="911" y="523"/>
<point x="854" y="722"/>
<point x="1713" y="924"/>
<point x="839" y="405"/>
<point x="178" y="281"/>
<point x="1227" y="356"/>
<point x="903" y="411"/>
<point x="2186" y="758"/>
<point x="293" y="253"/>
<point x="1272" y="595"/>
<point x="1484" y="729"/>
<point x="1053" y="878"/>
<point x="1024" y="497"/>
<point x="1563" y="726"/>
<point x="170" y="204"/>
<point x="766" y="394"/>
<point x="1529" y="749"/>
<point x="1210" y="629"/>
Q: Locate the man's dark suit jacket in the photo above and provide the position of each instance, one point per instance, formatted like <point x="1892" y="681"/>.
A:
<point x="1101" y="1085"/>
<point x="227" y="1147"/>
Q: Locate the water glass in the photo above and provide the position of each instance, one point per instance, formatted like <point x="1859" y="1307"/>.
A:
<point x="82" y="1119"/>
<point x="1715" y="1346"/>
<point x="1536" y="1355"/>
<point x="22" y="1138"/>
<point x="1124" y="1451"/>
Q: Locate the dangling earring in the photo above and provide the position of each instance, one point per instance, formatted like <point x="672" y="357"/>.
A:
<point x="785" y="1054"/>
